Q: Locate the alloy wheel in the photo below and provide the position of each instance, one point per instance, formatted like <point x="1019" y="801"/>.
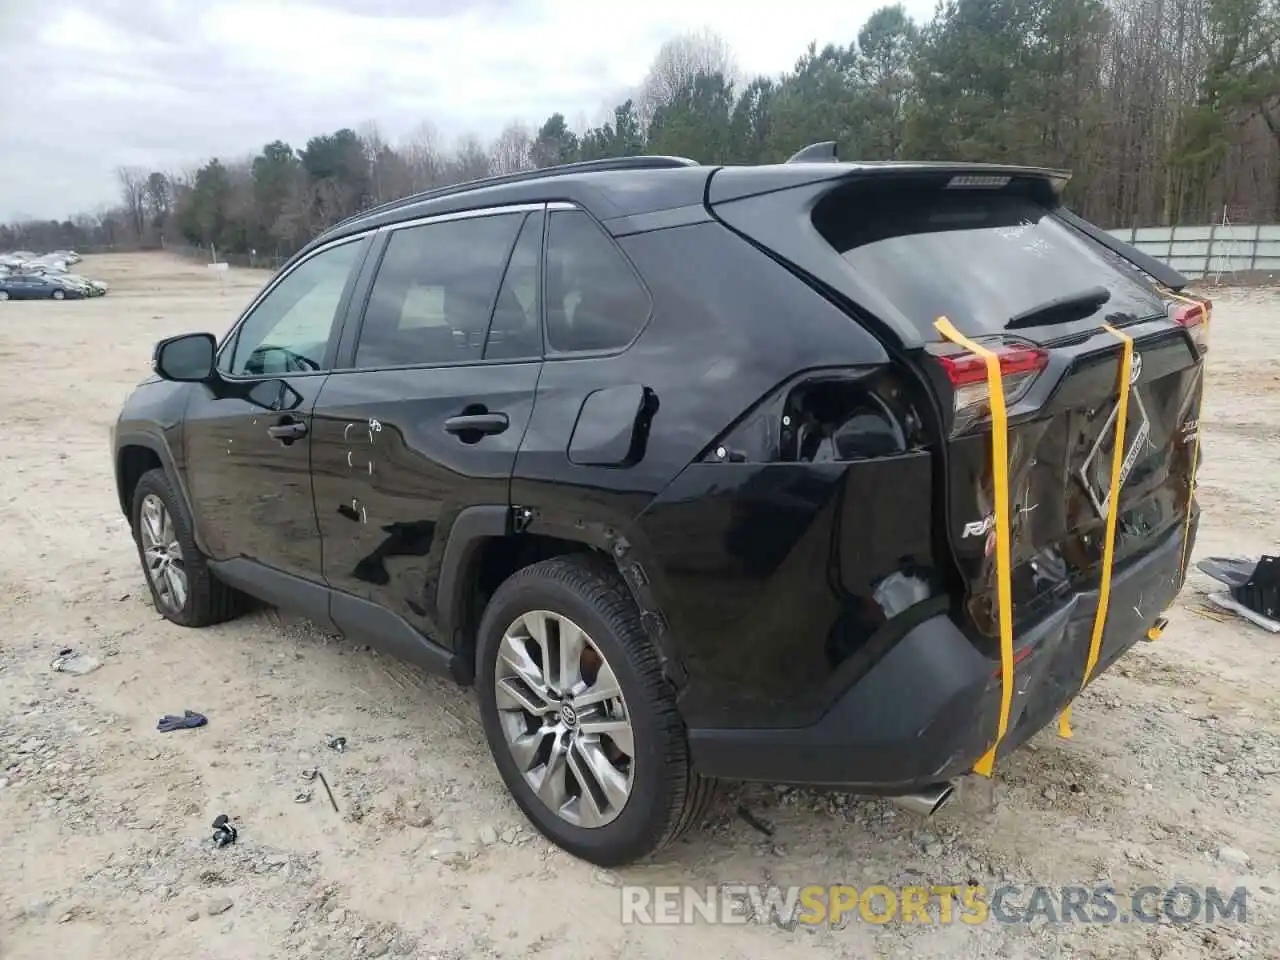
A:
<point x="162" y="553"/>
<point x="564" y="718"/>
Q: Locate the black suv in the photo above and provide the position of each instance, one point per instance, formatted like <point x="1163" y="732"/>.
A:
<point x="682" y="468"/>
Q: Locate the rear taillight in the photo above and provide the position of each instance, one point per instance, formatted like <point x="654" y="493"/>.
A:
<point x="1194" y="315"/>
<point x="1020" y="364"/>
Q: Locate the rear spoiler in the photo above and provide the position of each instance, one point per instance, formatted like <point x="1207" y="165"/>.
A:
<point x="1162" y="272"/>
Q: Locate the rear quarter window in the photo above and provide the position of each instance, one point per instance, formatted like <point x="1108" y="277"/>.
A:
<point x="594" y="300"/>
<point x="978" y="257"/>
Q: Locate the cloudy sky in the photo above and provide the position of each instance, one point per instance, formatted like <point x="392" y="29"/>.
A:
<point x="89" y="85"/>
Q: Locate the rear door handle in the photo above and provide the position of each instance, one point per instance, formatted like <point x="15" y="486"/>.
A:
<point x="288" y="431"/>
<point x="485" y="424"/>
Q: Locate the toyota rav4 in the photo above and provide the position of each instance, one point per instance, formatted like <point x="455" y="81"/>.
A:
<point x="824" y="473"/>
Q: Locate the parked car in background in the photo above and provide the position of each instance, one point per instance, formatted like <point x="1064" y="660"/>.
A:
<point x="32" y="286"/>
<point x="90" y="288"/>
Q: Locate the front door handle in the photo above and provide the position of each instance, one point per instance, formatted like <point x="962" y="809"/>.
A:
<point x="481" y="424"/>
<point x="288" y="432"/>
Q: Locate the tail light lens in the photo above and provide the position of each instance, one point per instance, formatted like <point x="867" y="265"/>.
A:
<point x="1020" y="364"/>
<point x="1195" y="317"/>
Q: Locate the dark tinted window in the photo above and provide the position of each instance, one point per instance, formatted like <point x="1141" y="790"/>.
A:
<point x="434" y="292"/>
<point x="978" y="257"/>
<point x="514" y="332"/>
<point x="288" y="331"/>
<point x="594" y="301"/>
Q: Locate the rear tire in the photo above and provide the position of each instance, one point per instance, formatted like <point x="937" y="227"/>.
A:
<point x="647" y="797"/>
<point x="4" y="295"/>
<point x="183" y="587"/>
<point x="58" y="295"/>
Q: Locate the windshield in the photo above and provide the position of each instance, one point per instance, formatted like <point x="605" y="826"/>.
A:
<point x="981" y="258"/>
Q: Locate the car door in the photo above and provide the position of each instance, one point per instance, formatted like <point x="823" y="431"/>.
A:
<point x="247" y="437"/>
<point x="428" y="417"/>
<point x="21" y="287"/>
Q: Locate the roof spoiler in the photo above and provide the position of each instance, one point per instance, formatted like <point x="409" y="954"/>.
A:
<point x="824" y="152"/>
<point x="1162" y="272"/>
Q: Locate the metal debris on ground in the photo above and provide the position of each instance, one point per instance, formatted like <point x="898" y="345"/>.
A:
<point x="223" y="832"/>
<point x="1225" y="601"/>
<point x="755" y="821"/>
<point x="325" y="783"/>
<point x="302" y="796"/>
<point x="1211" y="613"/>
<point x="1253" y="588"/>
<point x="336" y="743"/>
<point x="74" y="663"/>
<point x="314" y="774"/>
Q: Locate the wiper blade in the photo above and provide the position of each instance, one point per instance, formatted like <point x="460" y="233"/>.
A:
<point x="1073" y="306"/>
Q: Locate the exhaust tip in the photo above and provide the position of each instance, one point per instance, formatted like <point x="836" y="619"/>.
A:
<point x="926" y="802"/>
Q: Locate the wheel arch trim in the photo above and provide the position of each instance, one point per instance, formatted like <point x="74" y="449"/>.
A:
<point x="158" y="446"/>
<point x="476" y="525"/>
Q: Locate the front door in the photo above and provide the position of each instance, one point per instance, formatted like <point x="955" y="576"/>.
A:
<point x="429" y="416"/>
<point x="248" y="436"/>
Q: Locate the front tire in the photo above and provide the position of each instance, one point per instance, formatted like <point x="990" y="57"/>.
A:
<point x="58" y="295"/>
<point x="183" y="587"/>
<point x="581" y="722"/>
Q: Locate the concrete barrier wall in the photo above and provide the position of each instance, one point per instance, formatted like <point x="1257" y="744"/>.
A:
<point x="1215" y="252"/>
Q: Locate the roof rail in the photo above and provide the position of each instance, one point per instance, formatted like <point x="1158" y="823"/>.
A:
<point x="824" y="152"/>
<point x="522" y="176"/>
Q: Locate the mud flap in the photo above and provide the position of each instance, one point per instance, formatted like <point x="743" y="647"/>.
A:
<point x="1000" y="483"/>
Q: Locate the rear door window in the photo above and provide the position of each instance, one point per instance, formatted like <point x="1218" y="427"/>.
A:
<point x="515" y="332"/>
<point x="980" y="258"/>
<point x="434" y="292"/>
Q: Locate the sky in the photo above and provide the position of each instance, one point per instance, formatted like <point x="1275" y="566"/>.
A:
<point x="87" y="86"/>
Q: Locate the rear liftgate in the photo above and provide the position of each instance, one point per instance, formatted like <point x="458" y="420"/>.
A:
<point x="1003" y="550"/>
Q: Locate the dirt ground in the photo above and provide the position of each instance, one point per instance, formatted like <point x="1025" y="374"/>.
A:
<point x="105" y="823"/>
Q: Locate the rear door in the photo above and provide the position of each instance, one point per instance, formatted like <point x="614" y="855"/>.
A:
<point x="427" y="415"/>
<point x="247" y="439"/>
<point x="992" y="255"/>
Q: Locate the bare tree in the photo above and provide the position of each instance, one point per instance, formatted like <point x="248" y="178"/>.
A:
<point x="678" y="61"/>
<point x="390" y="173"/>
<point x="470" y="161"/>
<point x="423" y="156"/>
<point x="512" y="151"/>
<point x="133" y="192"/>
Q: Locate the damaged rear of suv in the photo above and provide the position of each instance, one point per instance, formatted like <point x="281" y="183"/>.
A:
<point x="956" y="569"/>
<point x="815" y="473"/>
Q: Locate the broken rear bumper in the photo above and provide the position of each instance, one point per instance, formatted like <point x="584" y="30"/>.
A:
<point x="929" y="708"/>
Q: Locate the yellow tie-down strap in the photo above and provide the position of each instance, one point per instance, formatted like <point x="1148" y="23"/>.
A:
<point x="1113" y="511"/>
<point x="1000" y="482"/>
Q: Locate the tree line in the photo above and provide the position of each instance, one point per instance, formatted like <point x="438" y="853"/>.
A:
<point x="1166" y="111"/>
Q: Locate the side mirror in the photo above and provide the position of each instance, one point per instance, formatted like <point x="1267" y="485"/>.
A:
<point x="186" y="359"/>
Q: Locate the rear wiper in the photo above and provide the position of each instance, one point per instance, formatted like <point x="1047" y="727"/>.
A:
<point x="1073" y="306"/>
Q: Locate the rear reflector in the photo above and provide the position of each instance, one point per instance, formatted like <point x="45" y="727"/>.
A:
<point x="1194" y="315"/>
<point x="1020" y="364"/>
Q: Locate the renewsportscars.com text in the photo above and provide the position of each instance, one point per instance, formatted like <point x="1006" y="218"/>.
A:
<point x="838" y="905"/>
